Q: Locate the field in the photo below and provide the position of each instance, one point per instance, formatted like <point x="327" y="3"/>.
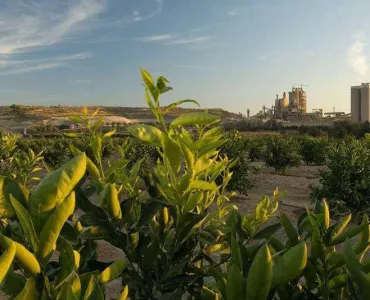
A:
<point x="185" y="210"/>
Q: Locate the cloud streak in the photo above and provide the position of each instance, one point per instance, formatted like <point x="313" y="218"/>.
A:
<point x="13" y="67"/>
<point x="25" y="26"/>
<point x="175" y="39"/>
<point x="356" y="56"/>
<point x="156" y="38"/>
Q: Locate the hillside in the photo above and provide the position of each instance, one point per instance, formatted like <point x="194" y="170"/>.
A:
<point x="17" y="117"/>
<point x="34" y="113"/>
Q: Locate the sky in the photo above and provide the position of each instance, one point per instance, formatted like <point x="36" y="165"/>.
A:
<point x="230" y="54"/>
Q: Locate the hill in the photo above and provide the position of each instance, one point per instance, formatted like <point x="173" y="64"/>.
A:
<point x="16" y="117"/>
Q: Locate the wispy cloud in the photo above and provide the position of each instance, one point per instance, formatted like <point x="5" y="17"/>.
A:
<point x="356" y="56"/>
<point x="156" y="38"/>
<point x="137" y="17"/>
<point x="16" y="66"/>
<point x="26" y="25"/>
<point x="175" y="39"/>
<point x="190" y="40"/>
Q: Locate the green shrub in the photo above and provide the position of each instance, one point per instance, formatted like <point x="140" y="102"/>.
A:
<point x="345" y="182"/>
<point x="282" y="153"/>
<point x="234" y="149"/>
<point x="313" y="150"/>
<point x="256" y="147"/>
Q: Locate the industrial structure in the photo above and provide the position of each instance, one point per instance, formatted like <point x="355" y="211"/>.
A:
<point x="292" y="106"/>
<point x="360" y="103"/>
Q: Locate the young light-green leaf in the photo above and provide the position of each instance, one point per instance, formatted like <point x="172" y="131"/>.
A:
<point x="93" y="291"/>
<point x="145" y="133"/>
<point x="260" y="275"/>
<point x="113" y="271"/>
<point x="290" y="266"/>
<point x="26" y="223"/>
<point x="51" y="230"/>
<point x="8" y="187"/>
<point x="54" y="188"/>
<point x="6" y="260"/>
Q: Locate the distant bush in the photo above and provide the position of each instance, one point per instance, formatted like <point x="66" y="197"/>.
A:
<point x="345" y="182"/>
<point x="313" y="150"/>
<point x="235" y="148"/>
<point x="282" y="153"/>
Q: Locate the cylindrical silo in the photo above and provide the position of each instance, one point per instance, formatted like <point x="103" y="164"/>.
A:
<point x="356" y="103"/>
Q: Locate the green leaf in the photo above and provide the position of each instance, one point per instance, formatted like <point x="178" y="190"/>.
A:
<point x="134" y="172"/>
<point x="172" y="152"/>
<point x="148" y="212"/>
<point x="7" y="187"/>
<point x="356" y="270"/>
<point x="93" y="291"/>
<point x="235" y="253"/>
<point x="290" y="266"/>
<point x="23" y="257"/>
<point x="339" y="227"/>
<point x="54" y="224"/>
<point x="110" y="201"/>
<point x="70" y="233"/>
<point x="326" y="215"/>
<point x="54" y="189"/>
<point x="66" y="260"/>
<point x="149" y="84"/>
<point x="91" y="168"/>
<point x="26" y="223"/>
<point x="175" y="104"/>
<point x="195" y="118"/>
<point x="260" y="275"/>
<point x="364" y="240"/>
<point x="203" y="163"/>
<point x="30" y="291"/>
<point x="212" y="132"/>
<point x="235" y="286"/>
<point x="145" y="133"/>
<point x="109" y="134"/>
<point x="188" y="155"/>
<point x="124" y="293"/>
<point x="113" y="271"/>
<point x="6" y="260"/>
<point x="13" y="283"/>
<point x="267" y="232"/>
<point x="96" y="233"/>
<point x="203" y="185"/>
<point x="67" y="293"/>
<point x="340" y="238"/>
<point x="289" y="229"/>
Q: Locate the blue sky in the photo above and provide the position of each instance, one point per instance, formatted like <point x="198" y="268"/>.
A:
<point x="233" y="54"/>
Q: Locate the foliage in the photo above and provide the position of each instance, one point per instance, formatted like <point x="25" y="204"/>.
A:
<point x="282" y="153"/>
<point x="234" y="148"/>
<point x="256" y="147"/>
<point x="313" y="150"/>
<point x="345" y="182"/>
<point x="180" y="236"/>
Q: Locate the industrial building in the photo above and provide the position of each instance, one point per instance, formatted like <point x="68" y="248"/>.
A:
<point x="360" y="103"/>
<point x="296" y="106"/>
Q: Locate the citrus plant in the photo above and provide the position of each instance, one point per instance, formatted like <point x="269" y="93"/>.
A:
<point x="282" y="153"/>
